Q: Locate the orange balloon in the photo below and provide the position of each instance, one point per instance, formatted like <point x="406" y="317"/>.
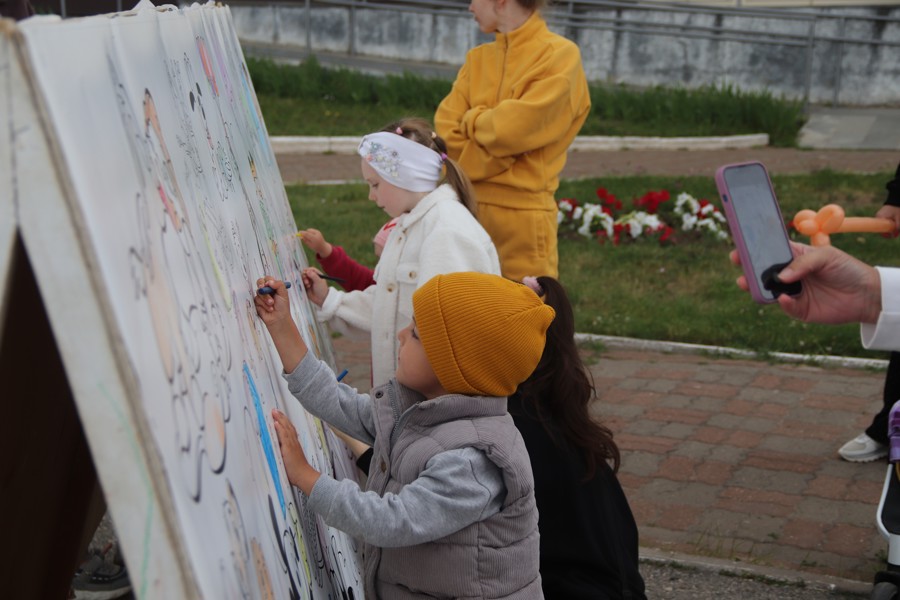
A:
<point x="830" y="219"/>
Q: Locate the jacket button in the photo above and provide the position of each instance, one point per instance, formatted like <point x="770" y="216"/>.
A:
<point x="412" y="274"/>
<point x="383" y="466"/>
<point x="390" y="287"/>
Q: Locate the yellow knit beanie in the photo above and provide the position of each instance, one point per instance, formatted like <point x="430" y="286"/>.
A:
<point x="482" y="334"/>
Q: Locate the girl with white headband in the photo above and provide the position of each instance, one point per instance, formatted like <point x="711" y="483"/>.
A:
<point x="410" y="178"/>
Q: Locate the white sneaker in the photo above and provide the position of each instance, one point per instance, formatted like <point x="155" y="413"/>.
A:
<point x="862" y="448"/>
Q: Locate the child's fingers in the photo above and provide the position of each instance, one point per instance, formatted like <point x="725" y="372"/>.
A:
<point x="283" y="425"/>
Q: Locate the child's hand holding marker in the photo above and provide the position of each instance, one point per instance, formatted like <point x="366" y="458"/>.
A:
<point x="315" y="285"/>
<point x="272" y="302"/>
<point x="268" y="290"/>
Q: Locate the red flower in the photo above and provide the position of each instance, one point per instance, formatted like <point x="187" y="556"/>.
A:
<point x="650" y="201"/>
<point x="665" y="233"/>
<point x="608" y="200"/>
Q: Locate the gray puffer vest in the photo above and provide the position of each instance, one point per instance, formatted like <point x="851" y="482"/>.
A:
<point x="495" y="558"/>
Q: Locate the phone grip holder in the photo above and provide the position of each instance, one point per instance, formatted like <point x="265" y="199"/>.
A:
<point x="819" y="226"/>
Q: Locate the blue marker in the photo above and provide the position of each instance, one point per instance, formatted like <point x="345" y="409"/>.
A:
<point x="342" y="375"/>
<point x="267" y="290"/>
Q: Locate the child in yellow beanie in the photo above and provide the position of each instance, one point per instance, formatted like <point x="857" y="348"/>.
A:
<point x="449" y="508"/>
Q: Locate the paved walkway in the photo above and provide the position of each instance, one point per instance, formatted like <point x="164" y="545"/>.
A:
<point x="857" y="140"/>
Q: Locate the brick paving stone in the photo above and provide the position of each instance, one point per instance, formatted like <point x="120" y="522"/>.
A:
<point x="796" y="444"/>
<point x="640" y="463"/>
<point x="837" y="511"/>
<point x="838" y="418"/>
<point x="768" y="479"/>
<point x="764" y="396"/>
<point x="679" y="518"/>
<point x="720" y="453"/>
<point x="847" y="540"/>
<point x="863" y="491"/>
<point x="839" y="403"/>
<point x="697" y="388"/>
<point x="683" y="415"/>
<point x="803" y="533"/>
<point x="783" y="460"/>
<point x="743" y="407"/>
<point x="749" y="496"/>
<point x="738" y="422"/>
<point x="800" y="428"/>
<point x="662" y="386"/>
<point x="678" y="431"/>
<point x="832" y="488"/>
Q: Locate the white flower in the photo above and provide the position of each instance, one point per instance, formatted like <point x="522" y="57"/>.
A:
<point x="638" y="221"/>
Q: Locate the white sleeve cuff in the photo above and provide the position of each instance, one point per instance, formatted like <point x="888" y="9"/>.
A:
<point x="885" y="334"/>
<point x="330" y="306"/>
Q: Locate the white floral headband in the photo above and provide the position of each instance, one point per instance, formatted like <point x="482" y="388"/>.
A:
<point x="402" y="162"/>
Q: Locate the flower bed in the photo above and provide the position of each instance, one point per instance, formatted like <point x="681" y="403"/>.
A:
<point x="652" y="217"/>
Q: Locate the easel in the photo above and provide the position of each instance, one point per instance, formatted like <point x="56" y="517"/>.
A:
<point x="94" y="396"/>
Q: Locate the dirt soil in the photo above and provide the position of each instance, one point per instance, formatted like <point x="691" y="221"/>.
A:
<point x="316" y="168"/>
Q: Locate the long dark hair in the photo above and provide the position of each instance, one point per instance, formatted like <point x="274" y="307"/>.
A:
<point x="560" y="389"/>
<point x="419" y="130"/>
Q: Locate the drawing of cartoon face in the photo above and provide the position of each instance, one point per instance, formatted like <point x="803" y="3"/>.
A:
<point x="240" y="547"/>
<point x="263" y="580"/>
<point x="167" y="185"/>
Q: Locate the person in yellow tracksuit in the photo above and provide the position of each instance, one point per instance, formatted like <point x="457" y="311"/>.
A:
<point x="515" y="107"/>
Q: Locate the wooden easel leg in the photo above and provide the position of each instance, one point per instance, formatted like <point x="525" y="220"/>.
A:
<point x="50" y="500"/>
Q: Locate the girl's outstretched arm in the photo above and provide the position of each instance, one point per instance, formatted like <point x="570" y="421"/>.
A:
<point x="275" y="311"/>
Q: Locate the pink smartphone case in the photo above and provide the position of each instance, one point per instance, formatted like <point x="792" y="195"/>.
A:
<point x="758" y="294"/>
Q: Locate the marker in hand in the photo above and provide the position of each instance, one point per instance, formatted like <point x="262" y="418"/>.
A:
<point x="268" y="290"/>
<point x="331" y="278"/>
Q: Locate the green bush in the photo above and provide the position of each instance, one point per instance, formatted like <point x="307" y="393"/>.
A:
<point x="308" y="99"/>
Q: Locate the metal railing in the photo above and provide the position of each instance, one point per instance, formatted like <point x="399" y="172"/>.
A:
<point x="809" y="30"/>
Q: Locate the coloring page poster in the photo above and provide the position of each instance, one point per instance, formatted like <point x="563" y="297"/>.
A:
<point x="181" y="204"/>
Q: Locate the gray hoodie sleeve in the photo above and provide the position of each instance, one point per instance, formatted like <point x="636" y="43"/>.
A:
<point x="314" y="384"/>
<point x="457" y="488"/>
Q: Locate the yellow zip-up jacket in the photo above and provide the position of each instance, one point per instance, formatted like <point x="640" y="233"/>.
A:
<point x="515" y="107"/>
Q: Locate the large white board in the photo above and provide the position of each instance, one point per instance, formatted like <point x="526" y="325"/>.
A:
<point x="149" y="201"/>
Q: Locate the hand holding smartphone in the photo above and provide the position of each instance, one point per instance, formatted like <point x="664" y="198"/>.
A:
<point x="757" y="228"/>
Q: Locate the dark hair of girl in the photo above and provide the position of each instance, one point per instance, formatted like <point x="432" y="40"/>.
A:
<point x="421" y="131"/>
<point x="560" y="389"/>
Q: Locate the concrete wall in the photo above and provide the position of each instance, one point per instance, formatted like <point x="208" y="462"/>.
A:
<point x="850" y="74"/>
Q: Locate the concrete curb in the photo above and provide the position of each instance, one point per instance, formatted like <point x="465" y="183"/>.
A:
<point x="298" y="144"/>
<point x="826" y="583"/>
<point x="684" y="348"/>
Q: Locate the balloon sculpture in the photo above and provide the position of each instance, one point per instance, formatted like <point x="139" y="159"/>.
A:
<point x="830" y="219"/>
